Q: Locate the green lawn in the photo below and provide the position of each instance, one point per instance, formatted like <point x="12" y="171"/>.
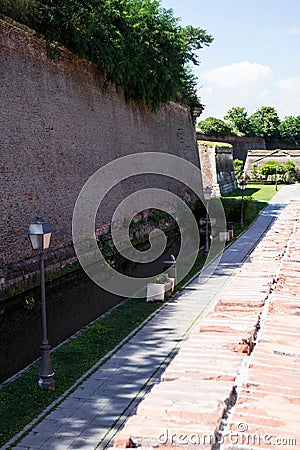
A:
<point x="260" y="192"/>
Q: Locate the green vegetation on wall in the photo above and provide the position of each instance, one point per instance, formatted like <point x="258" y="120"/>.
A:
<point x="140" y="46"/>
<point x="217" y="145"/>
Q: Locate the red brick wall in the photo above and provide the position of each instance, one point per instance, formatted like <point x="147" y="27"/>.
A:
<point x="57" y="127"/>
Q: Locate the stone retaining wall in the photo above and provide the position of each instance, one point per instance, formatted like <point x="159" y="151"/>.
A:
<point x="217" y="169"/>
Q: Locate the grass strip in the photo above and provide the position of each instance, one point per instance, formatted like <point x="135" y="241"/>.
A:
<point x="258" y="192"/>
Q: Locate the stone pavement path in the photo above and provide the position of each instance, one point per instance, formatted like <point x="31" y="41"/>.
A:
<point x="234" y="384"/>
<point x="91" y="415"/>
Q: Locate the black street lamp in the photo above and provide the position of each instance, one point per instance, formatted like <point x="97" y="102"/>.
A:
<point x="242" y="187"/>
<point x="276" y="172"/>
<point x="207" y="195"/>
<point x="39" y="234"/>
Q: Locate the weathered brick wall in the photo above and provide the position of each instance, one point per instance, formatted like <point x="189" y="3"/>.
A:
<point x="57" y="127"/>
<point x="281" y="143"/>
<point x="240" y="144"/>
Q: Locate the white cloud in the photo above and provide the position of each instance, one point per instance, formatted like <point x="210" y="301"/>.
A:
<point x="288" y="96"/>
<point x="294" y="31"/>
<point x="271" y="32"/>
<point x="236" y="75"/>
<point x="239" y="84"/>
<point x="248" y="85"/>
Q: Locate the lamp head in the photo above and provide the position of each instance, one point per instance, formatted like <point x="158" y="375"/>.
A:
<point x="243" y="185"/>
<point x="207" y="193"/>
<point x="40" y="232"/>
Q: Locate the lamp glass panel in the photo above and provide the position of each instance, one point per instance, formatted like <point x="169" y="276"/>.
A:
<point x="46" y="238"/>
<point x="207" y="194"/>
<point x="36" y="241"/>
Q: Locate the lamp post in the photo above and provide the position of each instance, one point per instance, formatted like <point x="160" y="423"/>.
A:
<point x="39" y="233"/>
<point x="242" y="187"/>
<point x="276" y="171"/>
<point x="207" y="195"/>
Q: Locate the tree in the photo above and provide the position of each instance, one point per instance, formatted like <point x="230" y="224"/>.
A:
<point x="214" y="127"/>
<point x="271" y="168"/>
<point x="139" y="45"/>
<point x="289" y="129"/>
<point x="265" y="123"/>
<point x="238" y="119"/>
<point x="238" y="169"/>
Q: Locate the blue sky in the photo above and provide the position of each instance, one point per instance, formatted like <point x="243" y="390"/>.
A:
<point x="254" y="59"/>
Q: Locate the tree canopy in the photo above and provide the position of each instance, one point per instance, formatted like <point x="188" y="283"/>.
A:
<point x="264" y="123"/>
<point x="238" y="119"/>
<point x="289" y="129"/>
<point x="214" y="127"/>
<point x="140" y="46"/>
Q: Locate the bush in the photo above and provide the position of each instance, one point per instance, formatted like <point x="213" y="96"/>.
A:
<point x="250" y="210"/>
<point x="215" y="144"/>
<point x="232" y="208"/>
<point x="238" y="169"/>
<point x="290" y="168"/>
<point x="271" y="168"/>
<point x="139" y="45"/>
<point x="19" y="10"/>
<point x="255" y="173"/>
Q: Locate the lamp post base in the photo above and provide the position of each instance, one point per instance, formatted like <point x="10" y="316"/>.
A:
<point x="47" y="383"/>
<point x="46" y="380"/>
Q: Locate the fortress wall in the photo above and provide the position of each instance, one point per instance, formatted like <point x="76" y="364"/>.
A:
<point x="58" y="125"/>
<point x="240" y="144"/>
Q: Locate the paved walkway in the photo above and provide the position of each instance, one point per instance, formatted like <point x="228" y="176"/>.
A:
<point x="92" y="414"/>
<point x="234" y="384"/>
